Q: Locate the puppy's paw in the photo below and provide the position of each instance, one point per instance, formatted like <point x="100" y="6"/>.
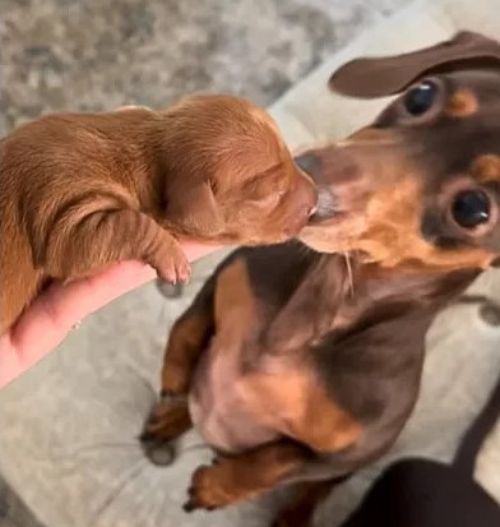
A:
<point x="172" y="264"/>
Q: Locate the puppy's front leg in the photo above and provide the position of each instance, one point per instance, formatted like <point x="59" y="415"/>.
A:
<point x="78" y="246"/>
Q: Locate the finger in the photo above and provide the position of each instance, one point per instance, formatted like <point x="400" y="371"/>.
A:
<point x="10" y="363"/>
<point x="53" y="314"/>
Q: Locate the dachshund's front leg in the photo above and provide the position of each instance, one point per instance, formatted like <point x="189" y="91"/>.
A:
<point x="235" y="478"/>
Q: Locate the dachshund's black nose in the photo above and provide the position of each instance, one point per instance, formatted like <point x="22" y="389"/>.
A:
<point x="309" y="162"/>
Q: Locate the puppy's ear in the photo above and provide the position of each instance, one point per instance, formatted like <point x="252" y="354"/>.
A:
<point x="196" y="210"/>
<point x="383" y="76"/>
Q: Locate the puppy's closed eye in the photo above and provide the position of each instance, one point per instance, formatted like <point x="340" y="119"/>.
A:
<point x="270" y="184"/>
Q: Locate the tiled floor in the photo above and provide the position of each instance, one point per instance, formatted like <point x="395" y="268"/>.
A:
<point x="99" y="54"/>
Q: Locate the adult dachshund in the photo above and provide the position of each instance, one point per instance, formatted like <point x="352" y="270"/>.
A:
<point x="301" y="367"/>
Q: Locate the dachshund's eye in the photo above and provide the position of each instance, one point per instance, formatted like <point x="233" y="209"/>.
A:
<point x="420" y="98"/>
<point x="471" y="208"/>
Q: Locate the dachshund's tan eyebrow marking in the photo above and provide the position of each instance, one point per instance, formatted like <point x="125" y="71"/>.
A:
<point x="486" y="168"/>
<point x="462" y="103"/>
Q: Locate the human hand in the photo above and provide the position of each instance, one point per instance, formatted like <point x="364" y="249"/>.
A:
<point x="56" y="311"/>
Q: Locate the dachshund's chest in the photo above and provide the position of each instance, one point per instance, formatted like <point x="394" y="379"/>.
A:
<point x="236" y="409"/>
<point x="224" y="406"/>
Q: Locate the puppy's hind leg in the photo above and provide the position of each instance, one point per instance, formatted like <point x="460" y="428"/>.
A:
<point x="80" y="243"/>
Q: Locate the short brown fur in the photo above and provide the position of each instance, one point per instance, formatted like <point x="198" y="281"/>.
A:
<point x="83" y="191"/>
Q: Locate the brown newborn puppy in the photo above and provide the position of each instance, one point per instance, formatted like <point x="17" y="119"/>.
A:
<point x="82" y="191"/>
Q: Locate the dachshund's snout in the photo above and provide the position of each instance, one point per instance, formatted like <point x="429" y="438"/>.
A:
<point x="310" y="163"/>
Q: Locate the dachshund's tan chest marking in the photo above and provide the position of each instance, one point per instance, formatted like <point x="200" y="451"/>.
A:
<point x="293" y="403"/>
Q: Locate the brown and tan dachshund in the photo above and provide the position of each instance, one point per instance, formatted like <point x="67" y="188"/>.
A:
<point x="299" y="367"/>
<point x="81" y="191"/>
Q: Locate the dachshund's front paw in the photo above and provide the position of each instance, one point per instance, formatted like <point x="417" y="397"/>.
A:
<point x="218" y="485"/>
<point x="206" y="490"/>
<point x="167" y="421"/>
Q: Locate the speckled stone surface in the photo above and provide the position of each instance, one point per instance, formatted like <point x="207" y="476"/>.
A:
<point x="99" y="54"/>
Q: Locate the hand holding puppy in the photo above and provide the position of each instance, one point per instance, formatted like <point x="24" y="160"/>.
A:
<point x="56" y="311"/>
<point x="83" y="192"/>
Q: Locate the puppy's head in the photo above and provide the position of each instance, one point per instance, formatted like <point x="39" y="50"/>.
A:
<point x="421" y="184"/>
<point x="229" y="176"/>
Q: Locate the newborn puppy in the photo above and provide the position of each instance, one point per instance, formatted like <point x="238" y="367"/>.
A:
<point x="82" y="191"/>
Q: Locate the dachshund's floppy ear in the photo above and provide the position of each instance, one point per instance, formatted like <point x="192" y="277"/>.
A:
<point x="383" y="76"/>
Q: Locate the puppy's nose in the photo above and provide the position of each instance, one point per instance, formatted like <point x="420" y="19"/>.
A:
<point x="309" y="162"/>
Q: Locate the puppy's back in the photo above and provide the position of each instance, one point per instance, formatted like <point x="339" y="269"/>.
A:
<point x="46" y="165"/>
